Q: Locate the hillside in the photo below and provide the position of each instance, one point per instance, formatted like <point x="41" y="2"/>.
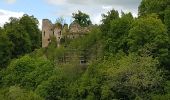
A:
<point x="124" y="58"/>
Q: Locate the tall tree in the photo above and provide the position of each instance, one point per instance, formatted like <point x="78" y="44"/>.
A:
<point x="82" y="18"/>
<point x="107" y="18"/>
<point x="149" y="33"/>
<point x="6" y="47"/>
<point x="30" y="25"/>
<point x="60" y="20"/>
<point x="20" y="38"/>
<point x="117" y="36"/>
<point x="153" y="6"/>
<point x="167" y="19"/>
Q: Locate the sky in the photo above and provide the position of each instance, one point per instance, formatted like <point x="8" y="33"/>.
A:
<point x="53" y="9"/>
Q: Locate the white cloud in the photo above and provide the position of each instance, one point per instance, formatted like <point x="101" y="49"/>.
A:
<point x="10" y="1"/>
<point x="107" y="7"/>
<point x="125" y="3"/>
<point x="40" y="24"/>
<point x="6" y="14"/>
<point x="93" y="7"/>
<point x="96" y="19"/>
<point x="56" y="2"/>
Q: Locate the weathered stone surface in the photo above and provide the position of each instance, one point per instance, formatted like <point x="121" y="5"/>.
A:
<point x="58" y="31"/>
<point x="76" y="28"/>
<point x="46" y="32"/>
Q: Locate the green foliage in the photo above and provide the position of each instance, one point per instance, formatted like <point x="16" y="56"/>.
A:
<point x="54" y="89"/>
<point x="60" y="20"/>
<point x="116" y="38"/>
<point x="107" y="18"/>
<point x="6" y="47"/>
<point x="147" y="30"/>
<point x="165" y="95"/>
<point x="82" y="19"/>
<point x="53" y="53"/>
<point x="151" y="34"/>
<point x="42" y="72"/>
<point x="17" y="70"/>
<point x="19" y="37"/>
<point x="153" y="6"/>
<point x="38" y="53"/>
<point x="27" y="72"/>
<point x="60" y="85"/>
<point x="161" y="97"/>
<point x="23" y="33"/>
<point x="125" y="58"/>
<point x="30" y="25"/>
<point x="16" y="93"/>
<point x="86" y="41"/>
<point x="89" y="47"/>
<point x="167" y="19"/>
<point x="135" y="76"/>
<point x="120" y="79"/>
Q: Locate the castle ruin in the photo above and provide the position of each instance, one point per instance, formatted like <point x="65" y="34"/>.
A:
<point x="59" y="31"/>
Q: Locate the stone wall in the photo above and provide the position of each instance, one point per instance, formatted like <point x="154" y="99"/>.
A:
<point x="77" y="29"/>
<point x="49" y="30"/>
<point x="58" y="34"/>
<point x="57" y="30"/>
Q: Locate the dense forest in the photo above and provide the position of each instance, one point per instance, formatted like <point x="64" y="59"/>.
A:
<point x="127" y="58"/>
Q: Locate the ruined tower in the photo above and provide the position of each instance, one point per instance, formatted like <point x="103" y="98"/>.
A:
<point x="49" y="30"/>
<point x="57" y="29"/>
<point x="60" y="31"/>
<point x="46" y="32"/>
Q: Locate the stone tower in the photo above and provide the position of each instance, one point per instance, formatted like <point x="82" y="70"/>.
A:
<point x="49" y="30"/>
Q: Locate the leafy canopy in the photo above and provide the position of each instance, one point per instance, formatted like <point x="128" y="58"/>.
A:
<point x="82" y="19"/>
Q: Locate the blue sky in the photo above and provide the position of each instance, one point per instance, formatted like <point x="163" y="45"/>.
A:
<point x="53" y="9"/>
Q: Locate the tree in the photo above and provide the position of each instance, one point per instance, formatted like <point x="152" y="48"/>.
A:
<point x="60" y="20"/>
<point x="6" y="47"/>
<point x="121" y="77"/>
<point x="153" y="6"/>
<point x="81" y="18"/>
<point x="107" y="18"/>
<point x="19" y="37"/>
<point x="165" y="95"/>
<point x="160" y="7"/>
<point x="30" y="25"/>
<point x="55" y="88"/>
<point x="151" y="34"/>
<point x="17" y="70"/>
<point x="116" y="38"/>
<point x="17" y="93"/>
<point x="27" y="72"/>
<point x="134" y="76"/>
<point x="1" y="29"/>
<point x="43" y="70"/>
<point x="167" y="19"/>
<point x="53" y="53"/>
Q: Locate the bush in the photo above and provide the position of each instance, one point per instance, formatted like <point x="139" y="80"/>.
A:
<point x="125" y="78"/>
<point x="27" y="71"/>
<point x="16" y="93"/>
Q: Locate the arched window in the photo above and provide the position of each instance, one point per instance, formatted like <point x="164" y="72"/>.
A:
<point x="44" y="33"/>
<point x="49" y="40"/>
<point x="60" y="33"/>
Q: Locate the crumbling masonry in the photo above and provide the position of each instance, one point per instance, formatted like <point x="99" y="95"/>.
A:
<point x="59" y="31"/>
